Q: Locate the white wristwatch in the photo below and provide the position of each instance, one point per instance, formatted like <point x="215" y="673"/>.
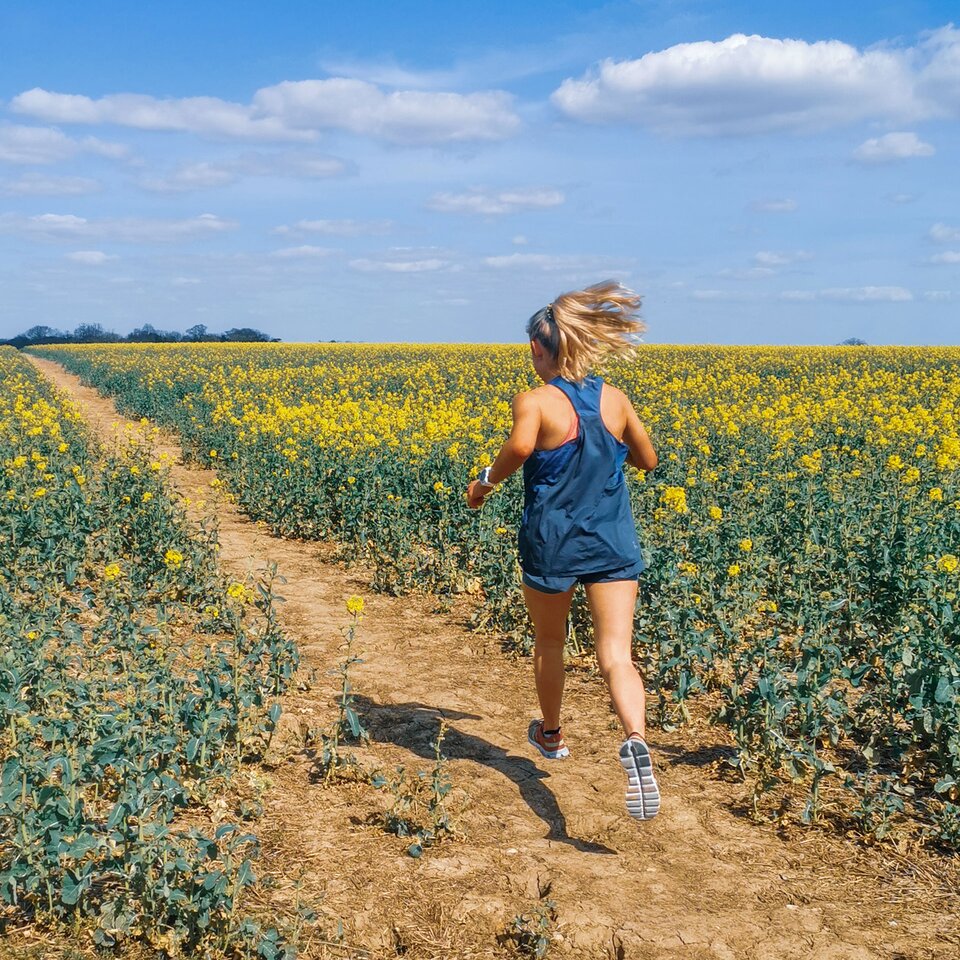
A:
<point x="484" y="478"/>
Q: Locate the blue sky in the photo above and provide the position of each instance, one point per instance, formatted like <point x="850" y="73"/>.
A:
<point x="432" y="171"/>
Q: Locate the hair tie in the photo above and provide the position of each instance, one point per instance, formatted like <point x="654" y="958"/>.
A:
<point x="548" y="313"/>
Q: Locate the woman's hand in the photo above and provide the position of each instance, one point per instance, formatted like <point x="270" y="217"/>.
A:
<point x="476" y="494"/>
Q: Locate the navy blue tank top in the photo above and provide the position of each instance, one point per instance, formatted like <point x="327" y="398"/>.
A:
<point x="576" y="507"/>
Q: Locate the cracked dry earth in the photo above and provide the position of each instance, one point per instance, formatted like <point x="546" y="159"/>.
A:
<point x="700" y="881"/>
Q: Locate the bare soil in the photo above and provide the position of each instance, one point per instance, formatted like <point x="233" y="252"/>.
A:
<point x="700" y="881"/>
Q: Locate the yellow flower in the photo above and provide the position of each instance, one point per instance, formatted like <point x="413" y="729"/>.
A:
<point x="212" y="612"/>
<point x="746" y="544"/>
<point x="111" y="571"/>
<point x="688" y="568"/>
<point x="355" y="606"/>
<point x="32" y="635"/>
<point x="213" y="454"/>
<point x="147" y="496"/>
<point x="235" y="591"/>
<point x="351" y="479"/>
<point x="734" y="569"/>
<point x="173" y="558"/>
<point x="715" y="513"/>
<point x="936" y="494"/>
<point x="438" y="487"/>
<point x="894" y="462"/>
<point x="675" y="498"/>
<point x="948" y="563"/>
<point x="911" y="475"/>
<point x="40" y="492"/>
<point x="501" y="530"/>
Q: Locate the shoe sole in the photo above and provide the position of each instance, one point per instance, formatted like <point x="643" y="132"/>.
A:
<point x="643" y="794"/>
<point x="549" y="754"/>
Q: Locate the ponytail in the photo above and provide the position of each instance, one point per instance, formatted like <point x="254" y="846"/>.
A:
<point x="581" y="329"/>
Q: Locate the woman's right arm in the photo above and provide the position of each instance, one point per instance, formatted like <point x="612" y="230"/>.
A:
<point x="635" y="436"/>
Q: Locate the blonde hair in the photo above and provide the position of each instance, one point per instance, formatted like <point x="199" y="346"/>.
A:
<point x="583" y="328"/>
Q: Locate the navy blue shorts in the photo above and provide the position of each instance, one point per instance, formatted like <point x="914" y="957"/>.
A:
<point x="562" y="584"/>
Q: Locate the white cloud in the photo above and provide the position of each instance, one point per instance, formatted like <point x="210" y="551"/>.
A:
<point x="302" y="252"/>
<point x="867" y="294"/>
<point x="398" y="266"/>
<point x="519" y="240"/>
<point x="948" y="256"/>
<point x="40" y="145"/>
<point x="938" y="296"/>
<point x="494" y="203"/>
<point x="54" y="226"/>
<point x="190" y="176"/>
<point x="851" y="294"/>
<point x="46" y="185"/>
<point x="205" y="175"/>
<point x="892" y="146"/>
<point x="337" y="228"/>
<point x="90" y="257"/>
<point x="901" y="197"/>
<point x="771" y="258"/>
<point x="209" y="116"/>
<point x="752" y="84"/>
<point x="747" y="273"/>
<point x="785" y="205"/>
<point x="400" y="116"/>
<point x="941" y="233"/>
<point x="725" y="296"/>
<point x="294" y="110"/>
<point x="571" y="263"/>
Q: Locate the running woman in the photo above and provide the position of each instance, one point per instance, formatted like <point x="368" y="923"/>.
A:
<point x="572" y="437"/>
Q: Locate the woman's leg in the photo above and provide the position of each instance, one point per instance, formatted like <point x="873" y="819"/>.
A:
<point x="612" y="606"/>
<point x="548" y="611"/>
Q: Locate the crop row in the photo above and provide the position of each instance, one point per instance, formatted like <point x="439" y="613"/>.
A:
<point x="134" y="680"/>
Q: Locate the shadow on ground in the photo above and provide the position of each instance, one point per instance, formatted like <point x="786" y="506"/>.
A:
<point x="414" y="726"/>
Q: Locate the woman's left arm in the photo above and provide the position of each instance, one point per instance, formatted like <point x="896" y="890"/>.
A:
<point x="515" y="450"/>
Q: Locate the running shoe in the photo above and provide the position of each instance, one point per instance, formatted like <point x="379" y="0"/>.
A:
<point x="553" y="748"/>
<point x="643" y="795"/>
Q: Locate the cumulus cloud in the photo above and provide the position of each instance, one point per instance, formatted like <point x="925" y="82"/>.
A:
<point x="294" y="110"/>
<point x="90" y="257"/>
<point x="752" y="84"/>
<point x="303" y="252"/>
<point x="948" y="256"/>
<point x="941" y="233"/>
<point x="400" y="116"/>
<point x="45" y="185"/>
<point x="785" y="205"/>
<point x="55" y="226"/>
<point x="494" y="203"/>
<point x="398" y="266"/>
<point x="892" y="146"/>
<point x="41" y="145"/>
<point x="205" y="175"/>
<point x="337" y="228"/>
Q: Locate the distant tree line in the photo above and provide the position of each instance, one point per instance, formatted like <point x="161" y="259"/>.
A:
<point x="94" y="333"/>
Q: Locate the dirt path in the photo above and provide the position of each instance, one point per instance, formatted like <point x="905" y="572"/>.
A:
<point x="700" y="881"/>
